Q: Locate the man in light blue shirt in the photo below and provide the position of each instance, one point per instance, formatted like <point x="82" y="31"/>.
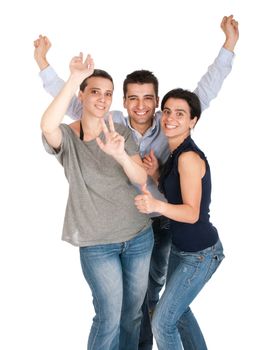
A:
<point x="141" y="99"/>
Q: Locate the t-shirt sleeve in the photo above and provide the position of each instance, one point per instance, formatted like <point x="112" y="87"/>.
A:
<point x="131" y="146"/>
<point x="58" y="153"/>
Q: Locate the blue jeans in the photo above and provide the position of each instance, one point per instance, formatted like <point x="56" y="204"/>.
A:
<point x="187" y="274"/>
<point x="117" y="275"/>
<point x="157" y="277"/>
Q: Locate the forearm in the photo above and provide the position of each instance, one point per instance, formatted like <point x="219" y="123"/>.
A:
<point x="42" y="63"/>
<point x="56" y="111"/>
<point x="134" y="171"/>
<point x="211" y="82"/>
<point x="177" y="212"/>
<point x="230" y="44"/>
<point x="53" y="84"/>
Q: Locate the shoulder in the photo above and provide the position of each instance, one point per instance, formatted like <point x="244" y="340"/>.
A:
<point x="189" y="162"/>
<point x="75" y="126"/>
<point x="188" y="157"/>
<point x="121" y="129"/>
<point x="118" y="117"/>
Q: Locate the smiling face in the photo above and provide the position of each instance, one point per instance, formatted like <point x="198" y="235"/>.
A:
<point x="140" y="101"/>
<point x="97" y="96"/>
<point x="176" y="119"/>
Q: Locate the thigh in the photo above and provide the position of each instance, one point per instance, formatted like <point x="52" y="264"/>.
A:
<point x="162" y="244"/>
<point x="102" y="270"/>
<point x="186" y="277"/>
<point x="135" y="260"/>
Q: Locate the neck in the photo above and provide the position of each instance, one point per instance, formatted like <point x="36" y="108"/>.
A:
<point x="175" y="142"/>
<point x="141" y="128"/>
<point x="91" y="127"/>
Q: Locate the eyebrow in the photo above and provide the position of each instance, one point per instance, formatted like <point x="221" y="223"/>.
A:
<point x="176" y="110"/>
<point x="96" y="88"/>
<point x="147" y="95"/>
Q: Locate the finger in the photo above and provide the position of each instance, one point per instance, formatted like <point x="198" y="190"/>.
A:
<point x="147" y="163"/>
<point x="144" y="189"/>
<point x="47" y="41"/>
<point x="89" y="62"/>
<point x="152" y="154"/>
<point x="104" y="127"/>
<point x="148" y="158"/>
<point x="36" y="43"/>
<point x="139" y="197"/>
<point x="111" y="124"/>
<point x="100" y="143"/>
<point x="223" y="21"/>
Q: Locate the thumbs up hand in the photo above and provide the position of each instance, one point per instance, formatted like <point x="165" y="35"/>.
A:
<point x="145" y="202"/>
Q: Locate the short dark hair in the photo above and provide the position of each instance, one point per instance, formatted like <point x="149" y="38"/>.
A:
<point x="141" y="77"/>
<point x="97" y="73"/>
<point x="190" y="97"/>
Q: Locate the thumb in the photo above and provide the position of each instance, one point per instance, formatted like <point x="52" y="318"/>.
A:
<point x="144" y="189"/>
<point x="152" y="154"/>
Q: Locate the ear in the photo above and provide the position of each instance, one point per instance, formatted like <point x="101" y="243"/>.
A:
<point x="124" y="102"/>
<point x="193" y="122"/>
<point x="80" y="96"/>
<point x="157" y="102"/>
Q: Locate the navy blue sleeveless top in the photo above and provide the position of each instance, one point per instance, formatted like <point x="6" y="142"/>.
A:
<point x="202" y="234"/>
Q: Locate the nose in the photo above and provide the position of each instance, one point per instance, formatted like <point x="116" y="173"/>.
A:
<point x="170" y="116"/>
<point x="101" y="97"/>
<point x="140" y="104"/>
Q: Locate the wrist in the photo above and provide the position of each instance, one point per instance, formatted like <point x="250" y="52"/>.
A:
<point x="121" y="158"/>
<point x="42" y="62"/>
<point x="229" y="44"/>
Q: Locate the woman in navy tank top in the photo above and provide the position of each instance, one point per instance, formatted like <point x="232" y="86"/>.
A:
<point x="196" y="248"/>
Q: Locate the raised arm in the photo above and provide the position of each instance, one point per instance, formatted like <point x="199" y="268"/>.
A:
<point x="55" y="112"/>
<point x="52" y="83"/>
<point x="211" y="83"/>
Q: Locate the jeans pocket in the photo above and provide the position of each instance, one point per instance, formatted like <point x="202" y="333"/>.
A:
<point x="215" y="261"/>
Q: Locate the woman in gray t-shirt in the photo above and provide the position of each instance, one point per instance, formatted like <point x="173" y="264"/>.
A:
<point x="115" y="240"/>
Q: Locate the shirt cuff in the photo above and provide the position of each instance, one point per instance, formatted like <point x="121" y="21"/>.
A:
<point x="226" y="57"/>
<point x="48" y="74"/>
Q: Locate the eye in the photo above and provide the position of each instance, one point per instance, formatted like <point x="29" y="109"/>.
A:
<point x="166" y="112"/>
<point x="109" y="94"/>
<point x="179" y="115"/>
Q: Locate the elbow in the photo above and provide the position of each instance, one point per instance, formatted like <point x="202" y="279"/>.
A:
<point x="46" y="129"/>
<point x="193" y="218"/>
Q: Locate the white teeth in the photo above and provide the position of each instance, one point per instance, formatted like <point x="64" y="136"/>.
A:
<point x="170" y="126"/>
<point x="141" y="113"/>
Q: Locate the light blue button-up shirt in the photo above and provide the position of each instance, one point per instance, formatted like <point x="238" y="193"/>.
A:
<point x="207" y="89"/>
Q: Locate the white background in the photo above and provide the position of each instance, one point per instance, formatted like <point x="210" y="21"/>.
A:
<point x="45" y="302"/>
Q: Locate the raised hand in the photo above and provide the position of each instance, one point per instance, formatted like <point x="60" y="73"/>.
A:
<point x="81" y="68"/>
<point x="114" y="143"/>
<point x="41" y="47"/>
<point x="230" y="28"/>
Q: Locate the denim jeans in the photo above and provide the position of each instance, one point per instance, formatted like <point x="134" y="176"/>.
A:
<point x="187" y="274"/>
<point x="157" y="277"/>
<point x="117" y="275"/>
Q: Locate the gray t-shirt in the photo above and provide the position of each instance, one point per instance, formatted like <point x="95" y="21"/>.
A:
<point x="100" y="207"/>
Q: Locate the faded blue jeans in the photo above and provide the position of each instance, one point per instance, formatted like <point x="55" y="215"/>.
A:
<point x="117" y="275"/>
<point x="188" y="272"/>
<point x="157" y="277"/>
